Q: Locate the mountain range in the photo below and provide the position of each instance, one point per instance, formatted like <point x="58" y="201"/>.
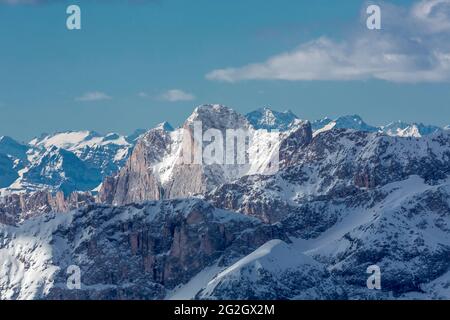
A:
<point x="142" y="224"/>
<point x="55" y="162"/>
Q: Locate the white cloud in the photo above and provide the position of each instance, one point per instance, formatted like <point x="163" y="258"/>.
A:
<point x="175" y="95"/>
<point x="434" y="15"/>
<point x="93" y="96"/>
<point x="142" y="94"/>
<point x="414" y="46"/>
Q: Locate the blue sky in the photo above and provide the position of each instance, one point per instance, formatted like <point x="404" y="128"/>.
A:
<point x="134" y="65"/>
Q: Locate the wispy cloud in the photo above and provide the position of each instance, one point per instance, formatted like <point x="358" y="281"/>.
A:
<point x="176" y="95"/>
<point x="143" y="94"/>
<point x="414" y="46"/>
<point x="93" y="96"/>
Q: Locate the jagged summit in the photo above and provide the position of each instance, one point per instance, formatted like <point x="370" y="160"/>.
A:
<point x="267" y="118"/>
<point x="12" y="148"/>
<point x="132" y="138"/>
<point x="164" y="126"/>
<point x="217" y="116"/>
<point x="71" y="140"/>
<point x="404" y="129"/>
<point x="336" y="204"/>
<point x="354" y="122"/>
<point x="67" y="161"/>
<point x="6" y="140"/>
<point x="107" y="154"/>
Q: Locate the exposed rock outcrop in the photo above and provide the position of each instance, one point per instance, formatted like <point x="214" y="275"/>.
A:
<point x="133" y="252"/>
<point x="18" y="207"/>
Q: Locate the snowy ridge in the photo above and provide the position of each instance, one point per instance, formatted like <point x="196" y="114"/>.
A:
<point x="266" y="118"/>
<point x="35" y="254"/>
<point x="36" y="164"/>
<point x="402" y="129"/>
<point x="360" y="236"/>
<point x="344" y="198"/>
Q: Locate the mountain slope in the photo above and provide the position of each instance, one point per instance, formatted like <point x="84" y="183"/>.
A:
<point x="403" y="228"/>
<point x="163" y="163"/>
<point x="108" y="153"/>
<point x="339" y="200"/>
<point x="134" y="252"/>
<point x="275" y="271"/>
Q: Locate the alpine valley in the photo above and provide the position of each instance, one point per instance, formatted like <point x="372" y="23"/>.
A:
<point x="139" y="223"/>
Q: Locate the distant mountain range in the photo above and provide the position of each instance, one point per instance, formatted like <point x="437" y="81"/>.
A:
<point x="266" y="118"/>
<point x="66" y="161"/>
<point x="141" y="223"/>
<point x="55" y="161"/>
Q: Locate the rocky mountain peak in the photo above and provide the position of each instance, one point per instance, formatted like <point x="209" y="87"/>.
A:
<point x="165" y="126"/>
<point x="217" y="116"/>
<point x="353" y="122"/>
<point x="339" y="201"/>
<point x="12" y="148"/>
<point x="269" y="119"/>
<point x="404" y="129"/>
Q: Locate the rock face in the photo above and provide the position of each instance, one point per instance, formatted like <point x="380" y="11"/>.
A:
<point x="132" y="252"/>
<point x="137" y="182"/>
<point x="389" y="227"/>
<point x="339" y="201"/>
<point x="175" y="164"/>
<point x="15" y="208"/>
<point x="336" y="164"/>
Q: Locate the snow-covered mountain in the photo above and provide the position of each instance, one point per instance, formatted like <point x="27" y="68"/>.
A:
<point x="108" y="152"/>
<point x="401" y="227"/>
<point x="105" y="155"/>
<point x="342" y="199"/>
<point x="395" y="129"/>
<point x="403" y="129"/>
<point x="353" y="122"/>
<point x="12" y="159"/>
<point x="157" y="168"/>
<point x="133" y="252"/>
<point x="276" y="270"/>
<point x="61" y="170"/>
<point x="66" y="161"/>
<point x="266" y="118"/>
<point x="12" y="148"/>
